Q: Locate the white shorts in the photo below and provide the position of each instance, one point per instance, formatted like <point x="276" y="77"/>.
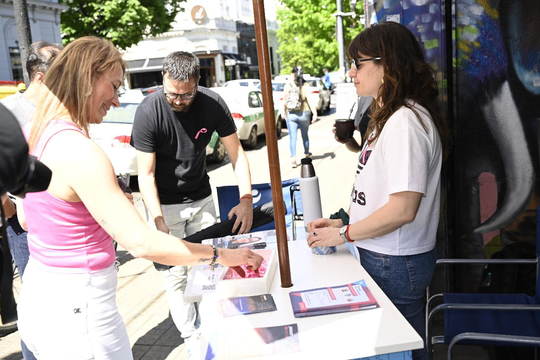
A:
<point x="63" y="315"/>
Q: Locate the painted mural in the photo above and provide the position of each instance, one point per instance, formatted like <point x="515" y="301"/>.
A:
<point x="496" y="124"/>
<point x="496" y="82"/>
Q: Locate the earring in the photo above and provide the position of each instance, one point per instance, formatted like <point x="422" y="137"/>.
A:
<point x="382" y="81"/>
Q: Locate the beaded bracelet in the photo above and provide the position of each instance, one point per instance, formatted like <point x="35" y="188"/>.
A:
<point x="214" y="263"/>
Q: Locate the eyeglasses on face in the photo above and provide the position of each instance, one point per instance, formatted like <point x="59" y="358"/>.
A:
<point x="174" y="96"/>
<point x="355" y="63"/>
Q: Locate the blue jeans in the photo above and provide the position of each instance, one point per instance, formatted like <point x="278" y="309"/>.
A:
<point x="18" y="245"/>
<point x="295" y="120"/>
<point x="404" y="280"/>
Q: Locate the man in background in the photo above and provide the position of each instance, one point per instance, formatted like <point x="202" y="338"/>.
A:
<point x="171" y="130"/>
<point x="40" y="57"/>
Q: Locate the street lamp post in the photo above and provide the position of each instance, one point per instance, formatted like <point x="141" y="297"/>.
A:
<point x="339" y="33"/>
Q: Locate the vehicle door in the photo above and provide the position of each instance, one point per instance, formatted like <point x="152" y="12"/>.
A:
<point x="256" y="111"/>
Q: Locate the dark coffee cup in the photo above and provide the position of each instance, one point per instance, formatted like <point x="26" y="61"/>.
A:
<point x="344" y="129"/>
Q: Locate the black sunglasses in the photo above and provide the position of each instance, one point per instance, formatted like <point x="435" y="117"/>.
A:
<point x="355" y="63"/>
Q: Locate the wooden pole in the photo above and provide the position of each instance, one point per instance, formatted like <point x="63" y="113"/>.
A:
<point x="271" y="142"/>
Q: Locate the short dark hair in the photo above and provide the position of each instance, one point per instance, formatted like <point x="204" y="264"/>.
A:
<point x="181" y="66"/>
<point x="41" y="55"/>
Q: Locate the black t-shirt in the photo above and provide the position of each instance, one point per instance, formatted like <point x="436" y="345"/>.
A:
<point x="179" y="140"/>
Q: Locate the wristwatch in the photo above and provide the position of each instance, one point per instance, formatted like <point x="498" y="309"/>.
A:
<point x="343" y="234"/>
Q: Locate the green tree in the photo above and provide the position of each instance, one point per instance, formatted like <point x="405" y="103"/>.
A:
<point x="307" y="34"/>
<point x="124" y="22"/>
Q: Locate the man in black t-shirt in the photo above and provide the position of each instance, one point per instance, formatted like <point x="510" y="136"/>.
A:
<point x="171" y="130"/>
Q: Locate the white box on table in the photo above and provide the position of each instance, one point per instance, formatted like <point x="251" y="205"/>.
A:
<point x="251" y="286"/>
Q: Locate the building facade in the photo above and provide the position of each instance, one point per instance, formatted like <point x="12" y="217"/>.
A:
<point x="44" y="17"/>
<point x="221" y="34"/>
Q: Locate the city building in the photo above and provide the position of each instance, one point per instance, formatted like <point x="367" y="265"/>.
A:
<point x="44" y="17"/>
<point x="221" y="33"/>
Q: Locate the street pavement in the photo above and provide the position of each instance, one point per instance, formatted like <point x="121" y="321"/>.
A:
<point x="141" y="296"/>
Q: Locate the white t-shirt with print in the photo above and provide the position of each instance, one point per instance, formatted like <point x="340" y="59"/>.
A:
<point x="405" y="157"/>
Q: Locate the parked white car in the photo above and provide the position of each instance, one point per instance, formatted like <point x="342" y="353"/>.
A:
<point x="277" y="96"/>
<point x="243" y="82"/>
<point x="113" y="135"/>
<point x="246" y="106"/>
<point x="323" y="104"/>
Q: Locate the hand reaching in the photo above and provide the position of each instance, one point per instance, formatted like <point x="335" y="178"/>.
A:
<point x="244" y="216"/>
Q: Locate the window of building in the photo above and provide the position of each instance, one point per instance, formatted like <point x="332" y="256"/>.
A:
<point x="145" y="79"/>
<point x="16" y="63"/>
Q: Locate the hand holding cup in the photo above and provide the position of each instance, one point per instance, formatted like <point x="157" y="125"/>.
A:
<point x="344" y="129"/>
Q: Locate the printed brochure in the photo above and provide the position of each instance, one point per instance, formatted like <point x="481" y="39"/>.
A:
<point x="330" y="300"/>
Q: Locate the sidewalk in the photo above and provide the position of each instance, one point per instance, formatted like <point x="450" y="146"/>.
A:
<point x="141" y="296"/>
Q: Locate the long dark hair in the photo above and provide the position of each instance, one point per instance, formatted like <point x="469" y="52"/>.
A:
<point x="298" y="76"/>
<point x="407" y="76"/>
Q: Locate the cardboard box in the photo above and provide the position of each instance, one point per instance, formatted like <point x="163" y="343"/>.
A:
<point x="251" y="286"/>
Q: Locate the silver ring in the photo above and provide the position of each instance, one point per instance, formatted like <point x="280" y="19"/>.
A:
<point x="314" y="233"/>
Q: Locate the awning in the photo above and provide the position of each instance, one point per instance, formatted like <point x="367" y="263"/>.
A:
<point x="237" y="58"/>
<point x="144" y="65"/>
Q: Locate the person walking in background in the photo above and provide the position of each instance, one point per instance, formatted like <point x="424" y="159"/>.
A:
<point x="326" y="79"/>
<point x="41" y="54"/>
<point x="171" y="130"/>
<point x="299" y="112"/>
<point x="67" y="306"/>
<point x="394" y="206"/>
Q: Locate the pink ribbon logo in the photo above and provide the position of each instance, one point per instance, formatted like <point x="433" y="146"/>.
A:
<point x="202" y="131"/>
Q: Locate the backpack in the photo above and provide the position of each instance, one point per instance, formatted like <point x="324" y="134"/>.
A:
<point x="293" y="100"/>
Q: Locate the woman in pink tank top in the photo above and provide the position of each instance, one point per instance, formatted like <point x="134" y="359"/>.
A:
<point x="67" y="307"/>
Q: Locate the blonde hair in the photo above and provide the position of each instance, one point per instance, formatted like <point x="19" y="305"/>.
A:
<point x="68" y="83"/>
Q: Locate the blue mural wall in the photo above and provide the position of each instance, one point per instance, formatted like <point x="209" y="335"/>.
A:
<point x="495" y="77"/>
<point x="496" y="123"/>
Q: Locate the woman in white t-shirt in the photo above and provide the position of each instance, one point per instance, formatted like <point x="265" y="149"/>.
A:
<point x="394" y="209"/>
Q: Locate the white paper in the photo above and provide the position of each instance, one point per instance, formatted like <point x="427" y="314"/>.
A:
<point x="203" y="281"/>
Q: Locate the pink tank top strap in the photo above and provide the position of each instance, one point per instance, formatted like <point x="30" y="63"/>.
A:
<point x="53" y="128"/>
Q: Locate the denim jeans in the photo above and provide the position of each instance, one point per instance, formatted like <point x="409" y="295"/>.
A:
<point x="295" y="120"/>
<point x="184" y="220"/>
<point x="404" y="280"/>
<point x="18" y="245"/>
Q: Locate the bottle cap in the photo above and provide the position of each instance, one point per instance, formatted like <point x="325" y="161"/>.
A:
<point x="307" y="170"/>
